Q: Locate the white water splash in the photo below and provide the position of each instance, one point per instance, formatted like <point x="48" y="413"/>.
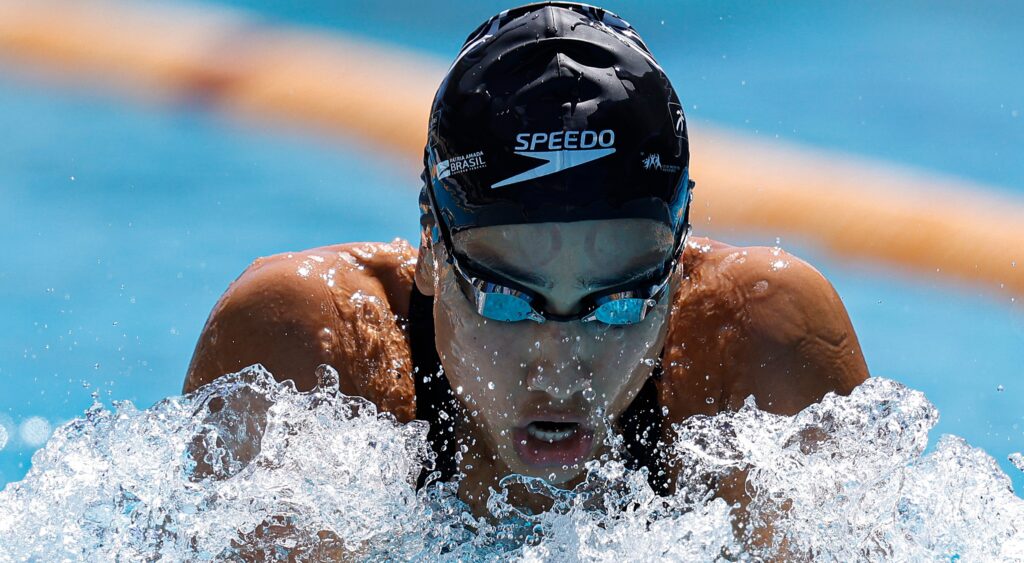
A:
<point x="1017" y="459"/>
<point x="845" y="480"/>
<point x="247" y="467"/>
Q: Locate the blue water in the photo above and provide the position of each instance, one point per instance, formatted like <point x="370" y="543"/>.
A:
<point x="122" y="221"/>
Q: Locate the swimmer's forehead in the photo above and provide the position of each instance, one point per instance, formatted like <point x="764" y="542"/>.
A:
<point x="599" y="252"/>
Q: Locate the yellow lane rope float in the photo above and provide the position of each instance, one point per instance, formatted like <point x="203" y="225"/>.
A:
<point x="853" y="207"/>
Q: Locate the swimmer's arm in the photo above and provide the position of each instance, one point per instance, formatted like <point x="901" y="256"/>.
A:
<point x="799" y="342"/>
<point x="272" y="316"/>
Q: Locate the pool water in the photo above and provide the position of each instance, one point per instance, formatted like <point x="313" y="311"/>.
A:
<point x="123" y="221"/>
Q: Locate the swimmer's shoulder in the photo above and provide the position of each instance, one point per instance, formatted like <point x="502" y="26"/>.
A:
<point x="339" y="305"/>
<point x="751" y="279"/>
<point x="756" y="321"/>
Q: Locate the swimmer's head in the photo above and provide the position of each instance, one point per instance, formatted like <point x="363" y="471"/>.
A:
<point x="556" y="112"/>
<point x="555" y="203"/>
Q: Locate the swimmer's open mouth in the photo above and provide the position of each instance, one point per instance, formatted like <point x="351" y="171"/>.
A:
<point x="543" y="443"/>
<point x="550" y="431"/>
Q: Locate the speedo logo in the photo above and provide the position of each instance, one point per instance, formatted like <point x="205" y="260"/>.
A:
<point x="569" y="140"/>
<point x="560" y="150"/>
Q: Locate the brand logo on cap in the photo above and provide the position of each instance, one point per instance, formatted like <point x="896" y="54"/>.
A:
<point x="652" y="161"/>
<point x="678" y="119"/>
<point x="561" y="150"/>
<point x="678" y="124"/>
<point x="459" y="164"/>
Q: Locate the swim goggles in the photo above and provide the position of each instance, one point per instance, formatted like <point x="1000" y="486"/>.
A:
<point x="507" y="301"/>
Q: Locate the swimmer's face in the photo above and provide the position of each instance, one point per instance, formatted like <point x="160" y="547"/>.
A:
<point x="541" y="393"/>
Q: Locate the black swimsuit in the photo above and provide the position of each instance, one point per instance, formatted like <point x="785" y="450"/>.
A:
<point x="640" y="424"/>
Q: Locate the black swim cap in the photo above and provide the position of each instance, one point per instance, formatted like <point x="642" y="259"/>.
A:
<point x="556" y="112"/>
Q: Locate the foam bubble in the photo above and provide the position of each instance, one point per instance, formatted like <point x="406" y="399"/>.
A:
<point x="7" y="424"/>
<point x="248" y="468"/>
<point x="35" y="431"/>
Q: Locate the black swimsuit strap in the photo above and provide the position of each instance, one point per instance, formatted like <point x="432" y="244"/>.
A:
<point x="435" y="401"/>
<point x="640" y="424"/>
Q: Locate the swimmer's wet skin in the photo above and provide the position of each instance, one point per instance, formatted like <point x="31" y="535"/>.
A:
<point x="555" y="279"/>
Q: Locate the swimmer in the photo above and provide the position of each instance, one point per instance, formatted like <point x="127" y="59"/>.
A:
<point x="557" y="294"/>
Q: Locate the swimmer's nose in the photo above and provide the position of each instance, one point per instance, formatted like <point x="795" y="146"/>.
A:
<point x="560" y="382"/>
<point x="559" y="378"/>
<point x="556" y="368"/>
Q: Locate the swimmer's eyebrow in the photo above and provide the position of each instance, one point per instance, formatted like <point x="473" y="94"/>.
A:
<point x="637" y="274"/>
<point x="513" y="273"/>
<point x="646" y="266"/>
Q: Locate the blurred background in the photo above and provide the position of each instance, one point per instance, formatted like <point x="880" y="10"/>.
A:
<point x="128" y="205"/>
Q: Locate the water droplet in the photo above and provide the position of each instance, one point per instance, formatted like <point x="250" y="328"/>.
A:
<point x="327" y="378"/>
<point x="1000" y="388"/>
<point x="490" y="385"/>
<point x="710" y="400"/>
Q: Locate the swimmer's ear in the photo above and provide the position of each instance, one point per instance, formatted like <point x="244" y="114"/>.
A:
<point x="425" y="268"/>
<point x="425" y="274"/>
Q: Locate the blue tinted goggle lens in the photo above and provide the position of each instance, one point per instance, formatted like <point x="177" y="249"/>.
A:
<point x="503" y="307"/>
<point x="624" y="311"/>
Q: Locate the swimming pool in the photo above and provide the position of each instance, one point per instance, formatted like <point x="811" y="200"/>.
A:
<point x="124" y="221"/>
